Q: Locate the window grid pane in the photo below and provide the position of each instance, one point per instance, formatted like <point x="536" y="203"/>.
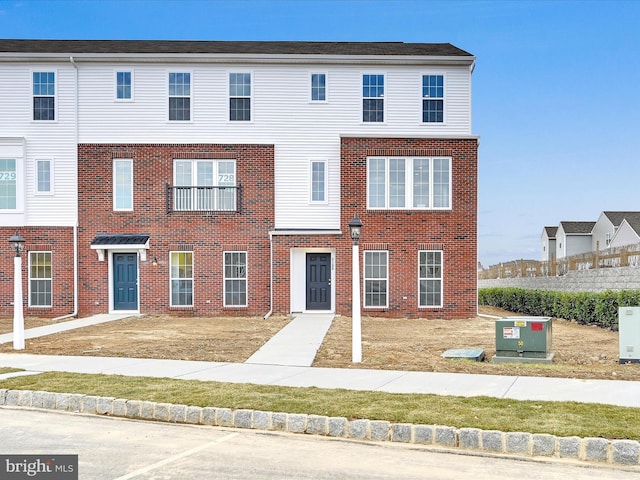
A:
<point x="375" y="278"/>
<point x="430" y="278"/>
<point x="202" y="180"/>
<point x="40" y="279"/>
<point x="318" y="87"/>
<point x="440" y="183"/>
<point x="8" y="185"/>
<point x="123" y="85"/>
<point x="421" y="183"/>
<point x="318" y="181"/>
<point x="235" y="279"/>
<point x="180" y="96"/>
<point x="396" y="183"/>
<point x="181" y="272"/>
<point x="372" y="98"/>
<point x="240" y="97"/>
<point x="377" y="182"/>
<point x="43" y="172"/>
<point x="44" y="88"/>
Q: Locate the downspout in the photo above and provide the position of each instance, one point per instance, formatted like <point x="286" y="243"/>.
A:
<point x="75" y="227"/>
<point x="268" y="314"/>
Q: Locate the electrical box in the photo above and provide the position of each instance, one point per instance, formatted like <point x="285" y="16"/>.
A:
<point x="629" y="332"/>
<point x="523" y="339"/>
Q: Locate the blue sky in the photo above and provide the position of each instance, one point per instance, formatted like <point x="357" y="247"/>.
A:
<point x="556" y="90"/>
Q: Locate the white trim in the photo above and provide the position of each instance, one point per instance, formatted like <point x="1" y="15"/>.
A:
<point x="37" y="179"/>
<point x="298" y="283"/>
<point x="364" y="279"/>
<point x="114" y="183"/>
<point x="169" y="71"/>
<point x="326" y="88"/>
<point x="224" y="279"/>
<point x="442" y="276"/>
<point x="326" y="182"/>
<point x="252" y="109"/>
<point x="110" y="279"/>
<point x="444" y="97"/>
<point x="383" y="97"/>
<point x="56" y="110"/>
<point x="193" y="288"/>
<point x="29" y="278"/>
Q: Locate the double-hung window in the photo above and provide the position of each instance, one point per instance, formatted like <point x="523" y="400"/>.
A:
<point x="433" y="98"/>
<point x="204" y="185"/>
<point x="318" y="87"/>
<point x="124" y="85"/>
<point x="44" y="96"/>
<point x="8" y="184"/>
<point x="123" y="184"/>
<point x="179" y="96"/>
<point x="376" y="278"/>
<point x="44" y="176"/>
<point x="181" y="281"/>
<point x="240" y="97"/>
<point x="430" y="278"/>
<point x="318" y="181"/>
<point x="40" y="279"/>
<point x="420" y="183"/>
<point x="372" y="98"/>
<point x="235" y="279"/>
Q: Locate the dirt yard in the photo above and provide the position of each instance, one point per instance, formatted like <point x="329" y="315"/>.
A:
<point x="402" y="344"/>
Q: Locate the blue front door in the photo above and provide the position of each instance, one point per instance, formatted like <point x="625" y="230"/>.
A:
<point x="125" y="281"/>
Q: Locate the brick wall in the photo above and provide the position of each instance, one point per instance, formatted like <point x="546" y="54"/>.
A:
<point x="207" y="235"/>
<point x="58" y="241"/>
<point x="404" y="232"/>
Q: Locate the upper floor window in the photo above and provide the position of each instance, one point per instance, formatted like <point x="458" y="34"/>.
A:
<point x="124" y="85"/>
<point x="240" y="97"/>
<point x="204" y="185"/>
<point x="44" y="95"/>
<point x="44" y="176"/>
<point x="372" y="98"/>
<point x="8" y="184"/>
<point x="376" y="278"/>
<point x="235" y="279"/>
<point x="318" y="181"/>
<point x="409" y="183"/>
<point x="123" y="184"/>
<point x="40" y="279"/>
<point x="318" y="87"/>
<point x="430" y="278"/>
<point x="180" y="96"/>
<point x="433" y="98"/>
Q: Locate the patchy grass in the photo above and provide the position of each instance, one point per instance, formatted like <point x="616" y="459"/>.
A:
<point x="557" y="418"/>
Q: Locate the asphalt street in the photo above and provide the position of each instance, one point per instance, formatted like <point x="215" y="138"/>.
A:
<point x="120" y="449"/>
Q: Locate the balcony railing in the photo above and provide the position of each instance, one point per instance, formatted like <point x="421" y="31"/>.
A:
<point x="203" y="199"/>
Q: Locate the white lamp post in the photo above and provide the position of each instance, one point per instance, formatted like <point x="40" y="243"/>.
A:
<point x="17" y="243"/>
<point x="355" y="226"/>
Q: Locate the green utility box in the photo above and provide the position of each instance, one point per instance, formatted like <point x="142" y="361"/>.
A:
<point x="523" y="339"/>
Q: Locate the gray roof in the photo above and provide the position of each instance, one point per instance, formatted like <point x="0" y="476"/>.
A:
<point x="634" y="223"/>
<point x="229" y="47"/>
<point x="119" y="239"/>
<point x="551" y="231"/>
<point x="616" y="217"/>
<point x="578" y="228"/>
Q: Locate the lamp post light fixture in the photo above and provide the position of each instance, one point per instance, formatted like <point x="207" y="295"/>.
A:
<point x="17" y="242"/>
<point x="355" y="228"/>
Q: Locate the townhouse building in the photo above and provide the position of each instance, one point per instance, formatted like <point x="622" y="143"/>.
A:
<point x="219" y="178"/>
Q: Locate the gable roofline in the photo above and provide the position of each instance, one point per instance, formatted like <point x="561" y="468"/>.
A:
<point x="230" y="51"/>
<point x="577" y="228"/>
<point x="616" y="218"/>
<point x="551" y="232"/>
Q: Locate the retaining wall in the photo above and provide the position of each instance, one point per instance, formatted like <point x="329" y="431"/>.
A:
<point x="600" y="280"/>
<point x="599" y="450"/>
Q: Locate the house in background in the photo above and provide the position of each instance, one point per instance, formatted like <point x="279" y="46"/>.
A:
<point x="628" y="233"/>
<point x="549" y="243"/>
<point x="573" y="238"/>
<point x="218" y="178"/>
<point x="606" y="227"/>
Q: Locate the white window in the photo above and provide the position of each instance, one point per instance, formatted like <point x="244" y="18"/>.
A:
<point x="124" y="85"/>
<point x="430" y="278"/>
<point x="372" y="98"/>
<point x="235" y="279"/>
<point x="240" y="97"/>
<point x="376" y="278"/>
<point x="180" y="96"/>
<point x="204" y="185"/>
<point x="44" y="176"/>
<point x="181" y="279"/>
<point x="40" y="279"/>
<point x="421" y="183"/>
<point x="318" y="87"/>
<point x="123" y="184"/>
<point x="8" y="184"/>
<point x="318" y="181"/>
<point x="433" y="98"/>
<point x="44" y="96"/>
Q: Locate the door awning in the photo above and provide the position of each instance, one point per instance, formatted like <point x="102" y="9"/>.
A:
<point x="120" y="242"/>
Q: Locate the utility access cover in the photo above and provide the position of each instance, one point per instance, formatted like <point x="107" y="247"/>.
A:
<point x="476" y="354"/>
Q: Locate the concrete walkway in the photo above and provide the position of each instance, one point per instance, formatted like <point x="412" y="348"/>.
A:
<point x="286" y="360"/>
<point x="297" y="343"/>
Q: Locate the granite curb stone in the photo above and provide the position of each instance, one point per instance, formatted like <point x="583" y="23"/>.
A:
<point x="597" y="450"/>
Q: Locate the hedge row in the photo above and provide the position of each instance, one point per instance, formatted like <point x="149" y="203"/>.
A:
<point x="586" y="308"/>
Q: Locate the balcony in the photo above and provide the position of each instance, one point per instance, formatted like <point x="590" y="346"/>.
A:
<point x="203" y="199"/>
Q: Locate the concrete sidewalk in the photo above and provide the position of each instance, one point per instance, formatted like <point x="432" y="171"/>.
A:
<point x="613" y="392"/>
